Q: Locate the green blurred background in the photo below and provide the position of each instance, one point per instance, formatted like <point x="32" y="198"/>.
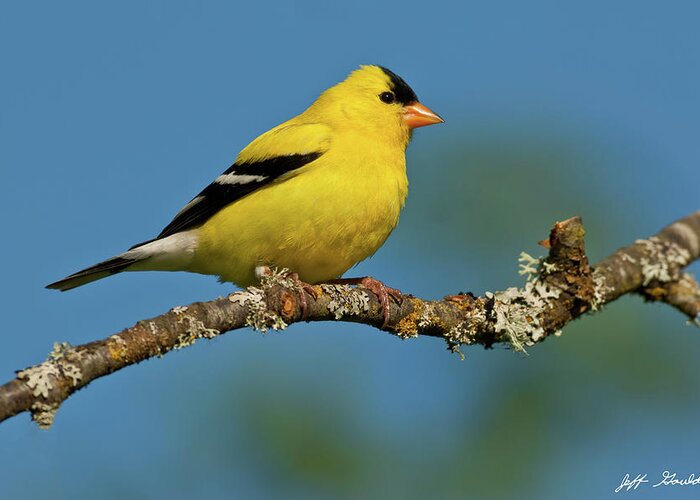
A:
<point x="114" y="115"/>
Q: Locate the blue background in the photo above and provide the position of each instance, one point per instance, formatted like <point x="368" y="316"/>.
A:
<point x="113" y="116"/>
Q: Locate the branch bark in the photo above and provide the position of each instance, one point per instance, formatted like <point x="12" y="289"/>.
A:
<point x="559" y="289"/>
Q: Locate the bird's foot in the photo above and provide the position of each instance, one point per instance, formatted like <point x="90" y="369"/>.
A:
<point x="301" y="287"/>
<point x="383" y="292"/>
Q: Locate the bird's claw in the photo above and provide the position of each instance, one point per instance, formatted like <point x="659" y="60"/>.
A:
<point x="379" y="289"/>
<point x="303" y="288"/>
<point x="383" y="293"/>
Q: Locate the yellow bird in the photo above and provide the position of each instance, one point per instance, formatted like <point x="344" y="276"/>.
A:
<point x="315" y="195"/>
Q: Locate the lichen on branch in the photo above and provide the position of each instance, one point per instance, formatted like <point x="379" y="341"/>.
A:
<point x="559" y="288"/>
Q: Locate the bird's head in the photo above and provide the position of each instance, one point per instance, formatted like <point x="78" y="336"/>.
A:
<point x="375" y="100"/>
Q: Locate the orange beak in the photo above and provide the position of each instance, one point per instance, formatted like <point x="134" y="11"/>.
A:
<point x="417" y="115"/>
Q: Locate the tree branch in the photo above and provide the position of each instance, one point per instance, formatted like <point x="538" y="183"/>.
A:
<point x="683" y="294"/>
<point x="559" y="288"/>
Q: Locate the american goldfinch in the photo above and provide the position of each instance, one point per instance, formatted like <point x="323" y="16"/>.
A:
<point x="315" y="195"/>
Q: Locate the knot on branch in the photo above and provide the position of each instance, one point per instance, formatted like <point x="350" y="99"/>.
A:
<point x="558" y="288"/>
<point x="567" y="265"/>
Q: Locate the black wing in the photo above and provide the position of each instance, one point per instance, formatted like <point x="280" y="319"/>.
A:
<point x="239" y="180"/>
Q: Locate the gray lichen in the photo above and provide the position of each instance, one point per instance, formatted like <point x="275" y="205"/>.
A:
<point x="548" y="267"/>
<point x="460" y="334"/>
<point x="39" y="378"/>
<point x="463" y="333"/>
<point x="72" y="372"/>
<point x="424" y="320"/>
<point x="665" y="260"/>
<point x="259" y="316"/>
<point x="512" y="319"/>
<point x="44" y="414"/>
<point x="240" y="298"/>
<point x="517" y="309"/>
<point x="533" y="267"/>
<point x="628" y="258"/>
<point x="195" y="330"/>
<point x="529" y="265"/>
<point x="116" y="338"/>
<point x="61" y="361"/>
<point x="344" y="301"/>
<point x="600" y="291"/>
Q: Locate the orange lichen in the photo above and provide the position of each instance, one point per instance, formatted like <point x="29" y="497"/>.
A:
<point x="656" y="293"/>
<point x="408" y="326"/>
<point x="117" y="348"/>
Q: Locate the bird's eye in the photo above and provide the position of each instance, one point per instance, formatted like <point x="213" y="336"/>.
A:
<point x="387" y="97"/>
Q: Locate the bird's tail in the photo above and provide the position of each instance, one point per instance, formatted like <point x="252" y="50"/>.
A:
<point x="172" y="253"/>
<point x="93" y="273"/>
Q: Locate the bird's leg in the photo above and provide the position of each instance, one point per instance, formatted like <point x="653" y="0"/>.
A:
<point x="378" y="288"/>
<point x="301" y="286"/>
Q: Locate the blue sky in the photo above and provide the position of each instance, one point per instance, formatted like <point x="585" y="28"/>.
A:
<point x="113" y="116"/>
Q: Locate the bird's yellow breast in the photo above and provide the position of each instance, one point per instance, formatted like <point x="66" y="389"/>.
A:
<point x="337" y="211"/>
